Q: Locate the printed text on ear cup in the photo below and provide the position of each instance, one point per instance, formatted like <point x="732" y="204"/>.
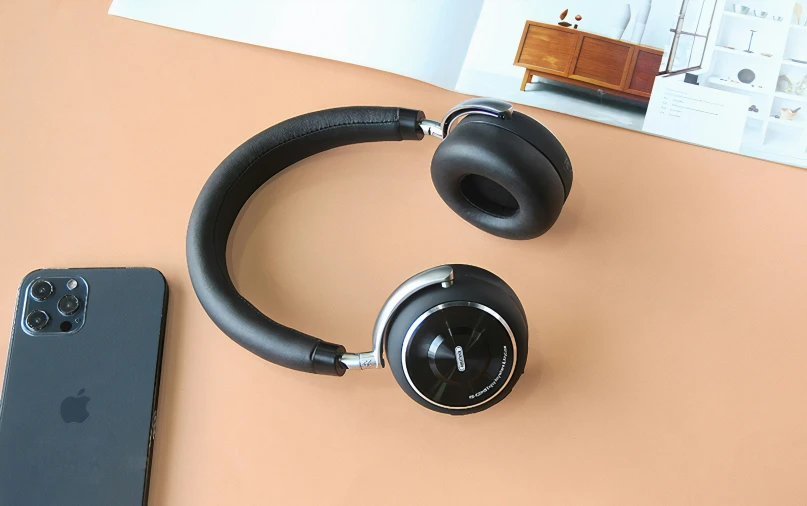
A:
<point x="496" y="379"/>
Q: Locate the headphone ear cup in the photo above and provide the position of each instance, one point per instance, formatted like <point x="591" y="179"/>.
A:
<point x="496" y="180"/>
<point x="461" y="349"/>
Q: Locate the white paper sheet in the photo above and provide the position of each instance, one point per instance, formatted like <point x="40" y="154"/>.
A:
<point x="696" y="114"/>
<point x="470" y="45"/>
<point x="422" y="39"/>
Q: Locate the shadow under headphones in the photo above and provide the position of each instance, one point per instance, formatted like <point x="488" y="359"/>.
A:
<point x="455" y="335"/>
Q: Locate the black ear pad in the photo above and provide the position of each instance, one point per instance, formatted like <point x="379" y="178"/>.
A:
<point x="479" y="314"/>
<point x="508" y="177"/>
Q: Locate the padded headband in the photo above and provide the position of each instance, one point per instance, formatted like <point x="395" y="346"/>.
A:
<point x="229" y="188"/>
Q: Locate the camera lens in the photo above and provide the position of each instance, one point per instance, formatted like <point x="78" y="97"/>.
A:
<point x="68" y="304"/>
<point x="41" y="290"/>
<point x="36" y="320"/>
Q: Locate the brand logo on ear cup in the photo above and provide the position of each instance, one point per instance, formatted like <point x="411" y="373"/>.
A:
<point x="460" y="356"/>
<point x="567" y="164"/>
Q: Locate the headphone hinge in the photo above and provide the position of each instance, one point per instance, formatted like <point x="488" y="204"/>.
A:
<point x="442" y="275"/>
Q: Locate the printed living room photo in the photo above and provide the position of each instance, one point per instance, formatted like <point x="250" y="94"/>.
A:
<point x="737" y="80"/>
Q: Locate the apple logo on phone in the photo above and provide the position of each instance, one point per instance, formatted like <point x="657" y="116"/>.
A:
<point x="74" y="408"/>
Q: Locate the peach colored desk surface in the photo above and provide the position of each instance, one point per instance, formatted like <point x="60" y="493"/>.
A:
<point x="668" y="360"/>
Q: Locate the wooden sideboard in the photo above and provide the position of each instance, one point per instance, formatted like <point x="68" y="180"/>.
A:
<point x="588" y="60"/>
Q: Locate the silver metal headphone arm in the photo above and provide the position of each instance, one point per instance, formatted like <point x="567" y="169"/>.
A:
<point x="489" y="106"/>
<point x="443" y="275"/>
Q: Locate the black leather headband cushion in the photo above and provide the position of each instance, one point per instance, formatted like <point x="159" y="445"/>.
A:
<point x="490" y="172"/>
<point x="229" y="188"/>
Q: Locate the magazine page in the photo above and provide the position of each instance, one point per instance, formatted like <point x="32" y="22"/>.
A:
<point x="422" y="39"/>
<point x="736" y="81"/>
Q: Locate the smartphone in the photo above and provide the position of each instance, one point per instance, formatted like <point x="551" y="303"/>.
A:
<point x="79" y="400"/>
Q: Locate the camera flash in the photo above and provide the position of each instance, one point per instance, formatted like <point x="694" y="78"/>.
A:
<point x="72" y="284"/>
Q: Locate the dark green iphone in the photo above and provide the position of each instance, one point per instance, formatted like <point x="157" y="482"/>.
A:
<point x="79" y="399"/>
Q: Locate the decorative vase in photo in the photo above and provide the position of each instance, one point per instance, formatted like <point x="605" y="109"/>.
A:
<point x="619" y="21"/>
<point x="789" y="114"/>
<point x="746" y="76"/>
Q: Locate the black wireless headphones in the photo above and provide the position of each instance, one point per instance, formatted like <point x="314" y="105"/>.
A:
<point x="455" y="335"/>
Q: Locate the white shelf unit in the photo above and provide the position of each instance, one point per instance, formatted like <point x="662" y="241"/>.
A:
<point x="740" y="52"/>
<point x="793" y="123"/>
<point x="793" y="64"/>
<point x="750" y="17"/>
<point x="783" y="40"/>
<point x="738" y="86"/>
<point x="791" y="96"/>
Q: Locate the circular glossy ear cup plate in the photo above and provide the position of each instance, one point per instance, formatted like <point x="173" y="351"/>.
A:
<point x="459" y="354"/>
<point x="497" y="180"/>
<point x="480" y="315"/>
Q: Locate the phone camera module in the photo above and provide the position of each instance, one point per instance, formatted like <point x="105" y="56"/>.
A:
<point x="68" y="305"/>
<point x="37" y="320"/>
<point x="41" y="290"/>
